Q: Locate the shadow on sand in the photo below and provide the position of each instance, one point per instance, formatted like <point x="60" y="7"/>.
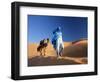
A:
<point x="46" y="61"/>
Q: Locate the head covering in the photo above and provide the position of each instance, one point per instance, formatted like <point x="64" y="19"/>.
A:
<point x="59" y="28"/>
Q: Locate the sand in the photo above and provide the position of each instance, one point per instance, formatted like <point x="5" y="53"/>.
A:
<point x="73" y="53"/>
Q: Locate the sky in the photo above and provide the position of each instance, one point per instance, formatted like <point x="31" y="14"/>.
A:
<point x="40" y="27"/>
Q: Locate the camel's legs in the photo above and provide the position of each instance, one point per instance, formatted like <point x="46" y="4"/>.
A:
<point x="44" y="51"/>
<point x="41" y="52"/>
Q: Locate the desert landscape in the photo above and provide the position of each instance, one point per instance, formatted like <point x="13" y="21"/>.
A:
<point x="73" y="53"/>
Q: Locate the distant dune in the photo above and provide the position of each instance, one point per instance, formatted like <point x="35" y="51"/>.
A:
<point x="77" y="49"/>
<point x="73" y="53"/>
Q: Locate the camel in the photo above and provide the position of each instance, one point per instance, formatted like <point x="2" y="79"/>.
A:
<point x="42" y="46"/>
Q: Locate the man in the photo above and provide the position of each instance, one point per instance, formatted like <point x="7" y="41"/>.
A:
<point x="57" y="41"/>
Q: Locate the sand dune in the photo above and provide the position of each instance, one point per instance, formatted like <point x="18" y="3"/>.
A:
<point x="78" y="49"/>
<point x="51" y="60"/>
<point x="73" y="53"/>
<point x="32" y="49"/>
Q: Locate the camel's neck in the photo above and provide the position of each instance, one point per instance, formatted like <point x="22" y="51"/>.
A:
<point x="48" y="42"/>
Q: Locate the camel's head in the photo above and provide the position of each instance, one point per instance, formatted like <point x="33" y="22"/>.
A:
<point x="48" y="40"/>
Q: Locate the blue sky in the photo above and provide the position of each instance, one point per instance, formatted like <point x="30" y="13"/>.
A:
<point x="40" y="27"/>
